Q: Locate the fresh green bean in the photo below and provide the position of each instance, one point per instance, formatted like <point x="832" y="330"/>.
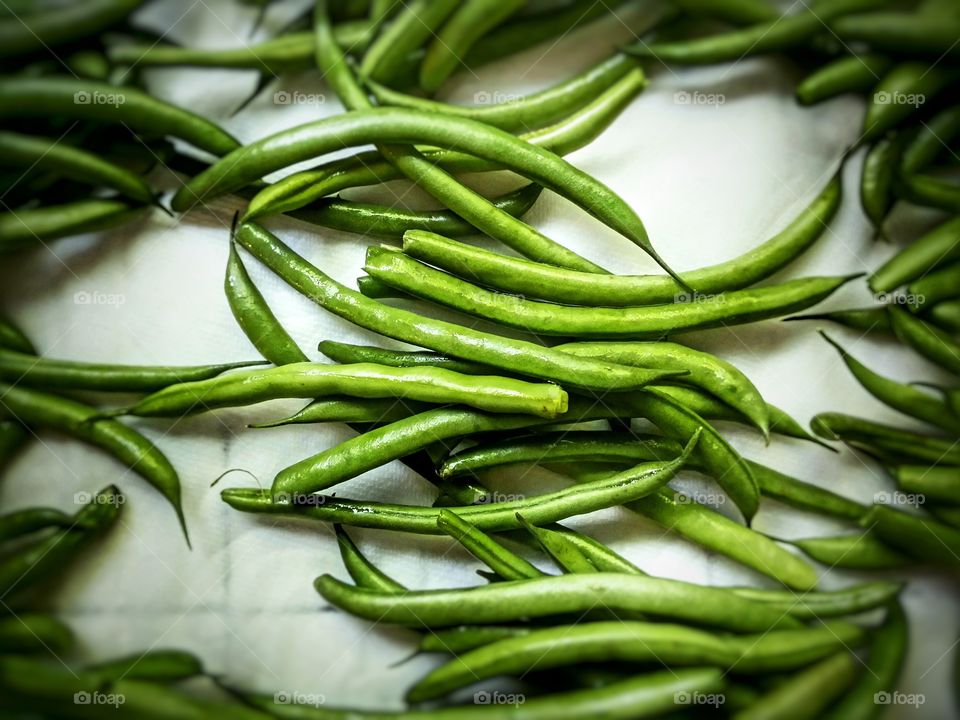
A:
<point x="777" y="35"/>
<point x="307" y="380"/>
<point x="549" y="283"/>
<point x="900" y="396"/>
<point x="255" y="317"/>
<point x="12" y="338"/>
<point x="599" y="555"/>
<point x="939" y="285"/>
<point x="48" y="556"/>
<point x="853" y="552"/>
<point x="859" y="432"/>
<point x="502" y="561"/>
<point x="42" y="154"/>
<point x="350" y="410"/>
<point x="936" y="248"/>
<point x="635" y="642"/>
<point x="346" y="353"/>
<point x="907" y="32"/>
<point x="931" y="342"/>
<point x="854" y="73"/>
<point x="919" y="537"/>
<point x="837" y="603"/>
<point x="533" y="111"/>
<point x="802" y="495"/>
<point x="25" y="522"/>
<point x="930" y="191"/>
<point x="865" y="320"/>
<point x="946" y="315"/>
<point x="941" y="484"/>
<point x="706" y="371"/>
<point x="80" y="421"/>
<point x="468" y="23"/>
<point x="46" y="28"/>
<point x="929" y="140"/>
<point x="364" y="573"/>
<point x="558" y="595"/>
<point x="413" y="26"/>
<point x="437" y="335"/>
<point x="807" y="694"/>
<point x="159" y="666"/>
<point x="20" y="229"/>
<point x="878" y="179"/>
<point x="888" y="650"/>
<point x="740" y="306"/>
<point x="88" y="100"/>
<point x="34" y="633"/>
<point x="564" y="553"/>
<point x="901" y="92"/>
<point x="456" y="640"/>
<point x="34" y="371"/>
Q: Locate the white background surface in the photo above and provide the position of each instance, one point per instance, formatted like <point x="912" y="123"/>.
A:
<point x="709" y="181"/>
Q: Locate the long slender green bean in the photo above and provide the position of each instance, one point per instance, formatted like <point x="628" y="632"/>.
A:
<point x="928" y="141"/>
<point x="347" y="353"/>
<point x="938" y="247"/>
<point x="364" y="573"/>
<point x="502" y="561"/>
<point x="866" y="320"/>
<point x="407" y="32"/>
<point x="926" y="339"/>
<point x="937" y="286"/>
<point x="28" y="228"/>
<point x="837" y="426"/>
<point x="901" y="92"/>
<point x="350" y="410"/>
<point x="940" y="484"/>
<point x="564" y="553"/>
<point x="854" y="552"/>
<point x="155" y="665"/>
<point x="836" y="603"/>
<point x="930" y="191"/>
<point x="855" y="73"/>
<point x="921" y="538"/>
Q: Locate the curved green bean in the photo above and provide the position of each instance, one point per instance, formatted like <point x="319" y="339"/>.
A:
<point x="34" y="633"/>
<point x="407" y="32"/>
<point x="922" y="538"/>
<point x="855" y="73"/>
<point x="459" y="639"/>
<point x="836" y="603"/>
<point x="927" y="340"/>
<point x="901" y="92"/>
<point x="874" y="319"/>
<point x="350" y="410"/>
<point x="20" y="229"/>
<point x="564" y="553"/>
<point x="24" y="522"/>
<point x="347" y="353"/>
<point x="46" y="28"/>
<point x="502" y="561"/>
<point x="878" y="179"/>
<point x="364" y="573"/>
<point x="941" y="484"/>
<point x="857" y="431"/>
<point x="938" y="247"/>
<point x="853" y="552"/>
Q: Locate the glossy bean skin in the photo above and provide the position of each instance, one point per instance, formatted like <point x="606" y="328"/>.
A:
<point x="364" y="573"/>
<point x="922" y="538"/>
<point x="51" y="27"/>
<point x="407" y="32"/>
<point x="939" y="285"/>
<point x="255" y="317"/>
<point x="900" y="396"/>
<point x="807" y="694"/>
<point x="532" y="111"/>
<point x="33" y="153"/>
<point x="549" y="283"/>
<point x="652" y="322"/>
<point x="564" y="553"/>
<point x="857" y="431"/>
<point x="434" y="334"/>
<point x="308" y="380"/>
<point x="136" y="452"/>
<point x="941" y="484"/>
<point x="866" y="320"/>
<point x="350" y="410"/>
<point x="499" y="559"/>
<point x="634" y="642"/>
<point x="878" y="179"/>
<point x="557" y="595"/>
<point x="908" y="33"/>
<point x="856" y="73"/>
<point x="836" y="603"/>
<point x="906" y="79"/>
<point x="347" y="353"/>
<point x="34" y="371"/>
<point x="599" y="555"/>
<point x="34" y="633"/>
<point x="24" y="522"/>
<point x="936" y="248"/>
<point x="853" y="552"/>
<point x="926" y="339"/>
<point x="394" y="125"/>
<point x="40" y="97"/>
<point x="455" y="640"/>
<point x="31" y="227"/>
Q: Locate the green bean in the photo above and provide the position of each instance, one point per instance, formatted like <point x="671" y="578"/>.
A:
<point x="350" y="410"/>
<point x="28" y="228"/>
<point x="854" y="73"/>
<point x="888" y="650"/>
<point x="852" y="552"/>
<point x="878" y="179"/>
<point x="306" y="380"/>
<point x="919" y="537"/>
<point x="255" y="317"/>
<point x="564" y="553"/>
<point x="929" y="191"/>
<point x="856" y="431"/>
<point x="599" y="555"/>
<point x="740" y="306"/>
<point x="706" y="371"/>
<point x="456" y="640"/>
<point x="803" y="495"/>
<point x="865" y="320"/>
<point x="909" y="32"/>
<point x="549" y="283"/>
<point x="12" y="338"/>
<point x="936" y="248"/>
<point x="807" y="694"/>
<point x="394" y="125"/>
<point x="467" y="24"/>
<point x="735" y="12"/>
<point x="777" y="35"/>
<point x="12" y="437"/>
<point x="364" y="573"/>
<point x="633" y="642"/>
<point x="558" y="595"/>
<point x="42" y="154"/>
<point x="941" y="484"/>
<point x="25" y="522"/>
<point x="36" y="371"/>
<point x="900" y="396"/>
<point x="88" y="100"/>
<point x="47" y="557"/>
<point x="159" y="666"/>
<point x="346" y="353"/>
<point x="939" y="285"/>
<point x="642" y="696"/>
<point x="34" y="633"/>
<point x="380" y="220"/>
<point x="946" y="315"/>
<point x="43" y="29"/>
<point x="533" y="111"/>
<point x="901" y="92"/>
<point x="407" y="32"/>
<point x="928" y="141"/>
<point x="436" y="335"/>
<point x="77" y="420"/>
<point x="927" y="340"/>
<point x="502" y="561"/>
<point x="849" y="601"/>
